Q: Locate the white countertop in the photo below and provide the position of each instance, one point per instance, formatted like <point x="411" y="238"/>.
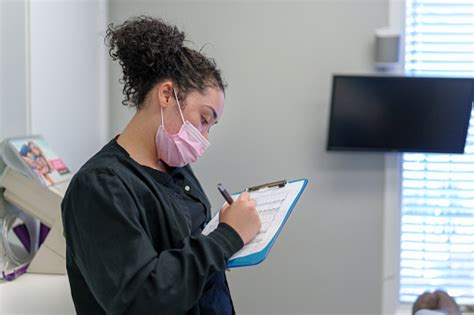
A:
<point x="36" y="294"/>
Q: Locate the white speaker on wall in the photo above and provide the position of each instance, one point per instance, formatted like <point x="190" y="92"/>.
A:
<point x="387" y="49"/>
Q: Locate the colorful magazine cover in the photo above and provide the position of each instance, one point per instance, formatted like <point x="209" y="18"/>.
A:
<point x="46" y="165"/>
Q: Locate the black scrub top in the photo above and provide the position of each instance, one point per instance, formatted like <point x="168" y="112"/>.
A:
<point x="134" y="242"/>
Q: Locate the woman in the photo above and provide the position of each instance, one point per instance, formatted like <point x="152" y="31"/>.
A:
<point x="134" y="213"/>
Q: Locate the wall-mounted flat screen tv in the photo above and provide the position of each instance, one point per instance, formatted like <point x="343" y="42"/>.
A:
<point x="399" y="113"/>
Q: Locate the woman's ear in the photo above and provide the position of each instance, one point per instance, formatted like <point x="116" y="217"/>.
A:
<point x="165" y="93"/>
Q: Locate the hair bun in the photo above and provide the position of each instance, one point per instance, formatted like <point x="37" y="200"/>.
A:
<point x="159" y="35"/>
<point x="143" y="43"/>
<point x="150" y="50"/>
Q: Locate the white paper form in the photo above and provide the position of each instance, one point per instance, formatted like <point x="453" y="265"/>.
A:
<point x="272" y="206"/>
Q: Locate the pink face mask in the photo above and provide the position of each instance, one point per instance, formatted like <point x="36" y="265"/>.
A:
<point x="182" y="148"/>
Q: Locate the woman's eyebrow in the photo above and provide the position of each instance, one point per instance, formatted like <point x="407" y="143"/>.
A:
<point x="213" y="111"/>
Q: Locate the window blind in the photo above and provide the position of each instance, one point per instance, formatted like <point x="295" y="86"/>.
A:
<point x="437" y="220"/>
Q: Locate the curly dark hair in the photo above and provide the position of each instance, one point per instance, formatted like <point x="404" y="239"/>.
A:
<point x="150" y="51"/>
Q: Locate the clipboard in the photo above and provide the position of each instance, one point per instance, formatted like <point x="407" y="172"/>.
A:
<point x="256" y="251"/>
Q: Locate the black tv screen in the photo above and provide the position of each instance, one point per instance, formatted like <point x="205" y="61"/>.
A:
<point x="399" y="113"/>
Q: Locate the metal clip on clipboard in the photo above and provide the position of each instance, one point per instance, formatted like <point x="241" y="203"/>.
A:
<point x="277" y="184"/>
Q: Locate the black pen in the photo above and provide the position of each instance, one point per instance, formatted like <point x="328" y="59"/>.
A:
<point x="225" y="194"/>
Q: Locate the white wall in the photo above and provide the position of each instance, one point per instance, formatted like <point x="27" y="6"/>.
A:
<point x="13" y="68"/>
<point x="278" y="58"/>
<point x="67" y="76"/>
<point x="54" y="78"/>
<point x="392" y="208"/>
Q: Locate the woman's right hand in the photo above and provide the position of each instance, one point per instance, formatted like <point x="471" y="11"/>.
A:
<point x="243" y="217"/>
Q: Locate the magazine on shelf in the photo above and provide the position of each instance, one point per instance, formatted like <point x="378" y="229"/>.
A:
<point x="33" y="157"/>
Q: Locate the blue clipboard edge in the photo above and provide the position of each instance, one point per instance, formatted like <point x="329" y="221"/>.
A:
<point x="257" y="258"/>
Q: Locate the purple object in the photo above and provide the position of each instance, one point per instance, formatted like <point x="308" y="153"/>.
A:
<point x="21" y="231"/>
<point x="15" y="273"/>
<point x="43" y="233"/>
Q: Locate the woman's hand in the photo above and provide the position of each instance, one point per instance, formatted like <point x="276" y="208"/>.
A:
<point x="242" y="216"/>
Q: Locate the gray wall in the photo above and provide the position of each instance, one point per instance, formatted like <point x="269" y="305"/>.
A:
<point x="54" y="74"/>
<point x="66" y="66"/>
<point x="13" y="68"/>
<point x="278" y="58"/>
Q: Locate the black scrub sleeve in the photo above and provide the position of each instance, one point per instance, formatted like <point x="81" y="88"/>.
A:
<point x="116" y="257"/>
